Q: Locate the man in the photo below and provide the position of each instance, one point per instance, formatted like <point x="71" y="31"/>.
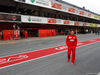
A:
<point x="71" y="42"/>
<point x="2" y="36"/>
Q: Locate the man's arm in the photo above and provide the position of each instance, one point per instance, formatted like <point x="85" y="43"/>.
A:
<point x="76" y="40"/>
<point x="67" y="40"/>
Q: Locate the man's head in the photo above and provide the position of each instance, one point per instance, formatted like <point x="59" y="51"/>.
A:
<point x="72" y="32"/>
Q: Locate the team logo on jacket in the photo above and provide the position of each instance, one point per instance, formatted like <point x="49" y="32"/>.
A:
<point x="74" y="37"/>
<point x="72" y="40"/>
<point x="70" y="37"/>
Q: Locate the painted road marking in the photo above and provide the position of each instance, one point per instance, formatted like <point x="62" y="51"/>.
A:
<point x="11" y="59"/>
<point x="19" y="58"/>
<point x="79" y="43"/>
<point x="61" y="48"/>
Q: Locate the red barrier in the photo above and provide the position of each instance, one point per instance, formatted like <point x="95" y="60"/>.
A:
<point x="8" y="34"/>
<point x="45" y="33"/>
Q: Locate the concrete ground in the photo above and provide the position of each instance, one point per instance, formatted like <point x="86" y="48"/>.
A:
<point x="87" y="58"/>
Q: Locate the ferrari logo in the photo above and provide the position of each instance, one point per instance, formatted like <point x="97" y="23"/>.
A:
<point x="74" y="37"/>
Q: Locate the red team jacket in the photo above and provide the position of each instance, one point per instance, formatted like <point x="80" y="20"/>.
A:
<point x="71" y="40"/>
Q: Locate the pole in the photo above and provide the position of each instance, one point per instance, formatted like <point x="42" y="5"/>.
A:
<point x="76" y="31"/>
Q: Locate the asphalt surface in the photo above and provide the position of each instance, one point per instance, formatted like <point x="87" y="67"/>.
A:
<point x="87" y="58"/>
<point x="6" y="50"/>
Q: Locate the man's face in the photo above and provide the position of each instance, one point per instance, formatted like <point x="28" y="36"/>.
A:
<point x="72" y="32"/>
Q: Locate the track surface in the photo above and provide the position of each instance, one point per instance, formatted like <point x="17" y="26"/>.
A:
<point x="87" y="59"/>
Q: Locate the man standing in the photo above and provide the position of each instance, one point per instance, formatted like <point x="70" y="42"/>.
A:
<point x="2" y="36"/>
<point x="71" y="42"/>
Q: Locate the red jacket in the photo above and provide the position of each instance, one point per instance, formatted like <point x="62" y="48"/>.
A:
<point x="71" y="40"/>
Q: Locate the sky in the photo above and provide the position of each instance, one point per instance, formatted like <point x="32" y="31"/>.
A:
<point x="92" y="5"/>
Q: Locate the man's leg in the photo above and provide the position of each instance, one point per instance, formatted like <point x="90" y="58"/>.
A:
<point x="73" y="55"/>
<point x="69" y="53"/>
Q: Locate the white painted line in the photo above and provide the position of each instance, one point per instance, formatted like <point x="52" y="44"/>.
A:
<point x="61" y="48"/>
